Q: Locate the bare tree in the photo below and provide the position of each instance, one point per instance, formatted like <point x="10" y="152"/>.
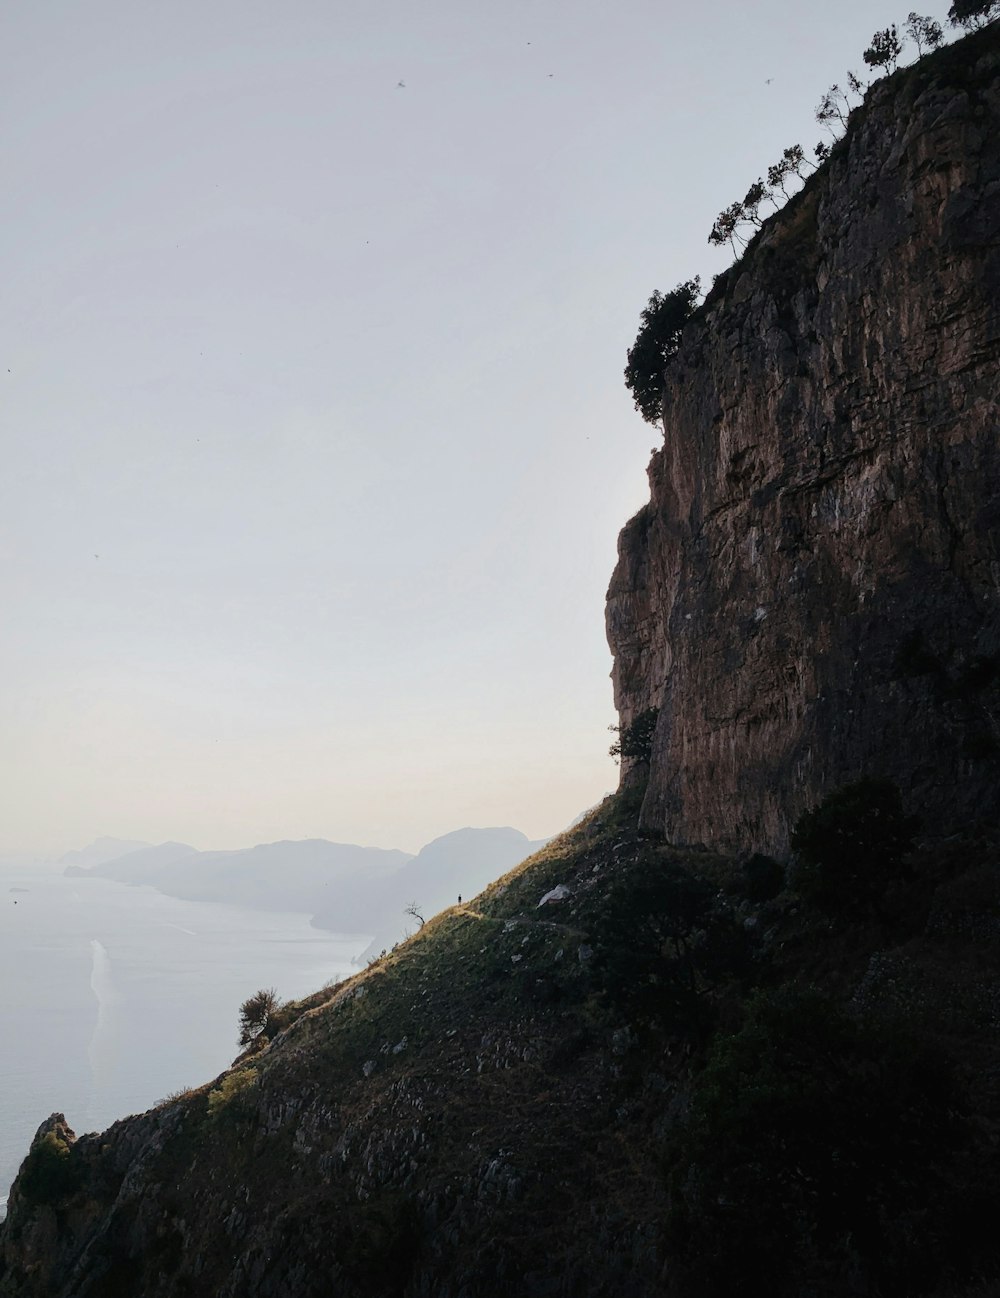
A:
<point x="413" y="910"/>
<point x="833" y="108"/>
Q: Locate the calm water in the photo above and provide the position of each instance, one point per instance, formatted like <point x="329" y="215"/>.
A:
<point x="111" y="997"/>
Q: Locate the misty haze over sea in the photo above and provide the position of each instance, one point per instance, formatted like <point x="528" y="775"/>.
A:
<point x="125" y="963"/>
<point x="117" y="995"/>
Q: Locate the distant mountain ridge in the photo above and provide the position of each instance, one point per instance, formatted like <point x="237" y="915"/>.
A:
<point x="102" y="850"/>
<point x="344" y="887"/>
<point x="145" y="859"/>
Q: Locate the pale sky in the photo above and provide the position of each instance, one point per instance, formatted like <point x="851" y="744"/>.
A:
<point x="315" y="440"/>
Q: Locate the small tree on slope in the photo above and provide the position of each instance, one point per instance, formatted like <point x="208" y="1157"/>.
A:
<point x="255" y="1015"/>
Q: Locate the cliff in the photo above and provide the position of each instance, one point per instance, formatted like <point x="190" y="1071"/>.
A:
<point x="813" y="591"/>
<point x="635" y="1068"/>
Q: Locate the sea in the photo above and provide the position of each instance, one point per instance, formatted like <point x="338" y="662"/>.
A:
<point x="112" y="997"/>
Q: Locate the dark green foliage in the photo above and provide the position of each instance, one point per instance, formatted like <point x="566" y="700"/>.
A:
<point x="49" y="1174"/>
<point x="664" y="945"/>
<point x="823" y="1154"/>
<point x="232" y="1094"/>
<point x="636" y="740"/>
<point x="256" y="1014"/>
<point x="971" y="14"/>
<point x="726" y="227"/>
<point x="752" y="200"/>
<point x="777" y="175"/>
<point x="794" y="158"/>
<point x="657" y="341"/>
<point x="885" y="49"/>
<point x="763" y="878"/>
<point x="852" y="845"/>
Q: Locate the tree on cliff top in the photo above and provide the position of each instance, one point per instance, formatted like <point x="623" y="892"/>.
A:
<point x="657" y="341"/>
<point x="923" y="31"/>
<point x="885" y="49"/>
<point x="973" y="13"/>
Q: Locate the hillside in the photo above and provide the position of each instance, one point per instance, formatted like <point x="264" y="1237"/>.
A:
<point x="528" y="1095"/>
<point x="632" y="1067"/>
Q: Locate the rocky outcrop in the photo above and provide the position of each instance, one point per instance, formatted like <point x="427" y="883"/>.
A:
<point x="813" y="591"/>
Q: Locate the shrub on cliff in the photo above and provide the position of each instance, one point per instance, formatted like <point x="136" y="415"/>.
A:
<point x="885" y="49"/>
<point x="232" y="1092"/>
<point x="822" y="1153"/>
<point x="256" y="1013"/>
<point x="48" y="1173"/>
<point x="656" y="342"/>
<point x="971" y="14"/>
<point x="923" y="32"/>
<point x="665" y="945"/>
<point x="852" y="845"/>
<point x="636" y="740"/>
<point x="762" y="878"/>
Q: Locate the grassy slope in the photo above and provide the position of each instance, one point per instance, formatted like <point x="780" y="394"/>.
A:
<point x="504" y="1102"/>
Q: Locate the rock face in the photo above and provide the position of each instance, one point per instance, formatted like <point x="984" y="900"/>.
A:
<point x="812" y="592"/>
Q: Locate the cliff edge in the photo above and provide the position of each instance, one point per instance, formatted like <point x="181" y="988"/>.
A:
<point x="639" y="1068"/>
<point x="812" y="593"/>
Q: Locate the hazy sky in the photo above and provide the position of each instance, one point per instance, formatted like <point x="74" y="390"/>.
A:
<point x="315" y="443"/>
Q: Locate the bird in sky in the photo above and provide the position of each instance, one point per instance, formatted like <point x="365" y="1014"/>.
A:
<point x="400" y="85"/>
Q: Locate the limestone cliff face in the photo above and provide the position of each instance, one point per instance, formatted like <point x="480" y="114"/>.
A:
<point x="812" y="592"/>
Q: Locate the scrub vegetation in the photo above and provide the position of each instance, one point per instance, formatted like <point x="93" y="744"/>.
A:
<point x="725" y="1071"/>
